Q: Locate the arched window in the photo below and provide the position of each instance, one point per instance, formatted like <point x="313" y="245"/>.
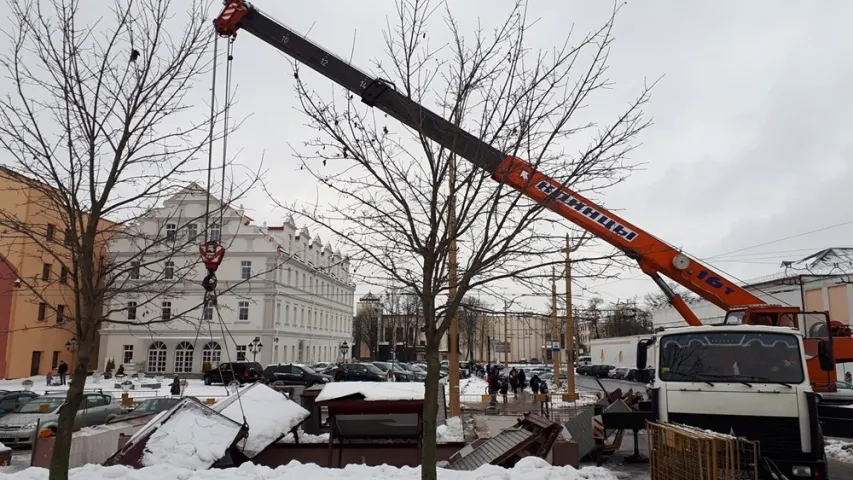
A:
<point x="211" y="353"/>
<point x="157" y="357"/>
<point x="184" y="358"/>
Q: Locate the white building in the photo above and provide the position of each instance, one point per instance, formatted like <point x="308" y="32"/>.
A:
<point x="278" y="285"/>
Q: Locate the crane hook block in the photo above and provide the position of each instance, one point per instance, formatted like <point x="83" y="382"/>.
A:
<point x="211" y="254"/>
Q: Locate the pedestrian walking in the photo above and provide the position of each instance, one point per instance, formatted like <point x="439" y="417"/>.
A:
<point x="49" y="378"/>
<point x="176" y="386"/>
<point x="504" y="388"/>
<point x="848" y="377"/>
<point x="62" y="370"/>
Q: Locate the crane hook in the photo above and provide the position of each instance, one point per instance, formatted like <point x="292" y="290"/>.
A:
<point x="212" y="253"/>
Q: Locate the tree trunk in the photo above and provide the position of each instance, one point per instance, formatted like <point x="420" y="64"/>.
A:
<point x="428" y="471"/>
<point x="62" y="446"/>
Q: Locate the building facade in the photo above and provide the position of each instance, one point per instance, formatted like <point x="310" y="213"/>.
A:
<point x="36" y="294"/>
<point x="282" y="297"/>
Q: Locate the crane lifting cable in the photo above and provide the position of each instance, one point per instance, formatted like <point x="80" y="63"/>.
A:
<point x="212" y="250"/>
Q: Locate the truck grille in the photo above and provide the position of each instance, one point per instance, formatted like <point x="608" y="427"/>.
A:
<point x="779" y="437"/>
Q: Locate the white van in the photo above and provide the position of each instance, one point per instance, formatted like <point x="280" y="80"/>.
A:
<point x="584" y="360"/>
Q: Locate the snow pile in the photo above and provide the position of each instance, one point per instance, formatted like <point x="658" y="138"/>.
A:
<point x="190" y="439"/>
<point x="269" y="415"/>
<point x="472" y="386"/>
<point x="838" y="450"/>
<point x="4" y="448"/>
<point x="306" y="438"/>
<point x="528" y="468"/>
<point x="373" y="391"/>
<point x="451" y="432"/>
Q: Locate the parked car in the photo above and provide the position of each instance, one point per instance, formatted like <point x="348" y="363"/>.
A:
<point x="224" y="373"/>
<point x="631" y="375"/>
<point x="42" y="413"/>
<point x="319" y="367"/>
<point x="148" y="407"/>
<point x="600" y="371"/>
<point x="419" y="371"/>
<point x="359" y="372"/>
<point x="843" y="394"/>
<point x="618" y="373"/>
<point x="399" y="374"/>
<point x="584" y="370"/>
<point x="11" y="401"/>
<point x="290" y="374"/>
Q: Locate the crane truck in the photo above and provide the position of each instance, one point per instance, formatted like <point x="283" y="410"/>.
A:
<point x="812" y="334"/>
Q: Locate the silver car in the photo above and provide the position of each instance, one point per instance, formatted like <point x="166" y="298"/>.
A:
<point x="843" y="394"/>
<point x="42" y="413"/>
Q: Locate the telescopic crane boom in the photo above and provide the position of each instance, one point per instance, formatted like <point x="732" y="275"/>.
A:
<point x="654" y="256"/>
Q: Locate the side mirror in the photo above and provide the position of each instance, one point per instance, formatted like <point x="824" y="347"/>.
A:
<point x="642" y="354"/>
<point x="825" y="356"/>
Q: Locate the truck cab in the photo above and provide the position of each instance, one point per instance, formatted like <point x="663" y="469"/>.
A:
<point x="742" y="380"/>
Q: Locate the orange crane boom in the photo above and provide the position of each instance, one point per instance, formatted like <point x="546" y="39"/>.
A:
<point x="654" y="256"/>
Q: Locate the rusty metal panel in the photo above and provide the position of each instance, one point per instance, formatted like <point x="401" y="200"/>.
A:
<point x="493" y="449"/>
<point x="580" y="429"/>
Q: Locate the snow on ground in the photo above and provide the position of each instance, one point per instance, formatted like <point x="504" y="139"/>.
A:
<point x="529" y="468"/>
<point x="451" y="431"/>
<point x="4" y="448"/>
<point x="192" y="438"/>
<point x="373" y="391"/>
<point x="839" y="450"/>
<point x="268" y="413"/>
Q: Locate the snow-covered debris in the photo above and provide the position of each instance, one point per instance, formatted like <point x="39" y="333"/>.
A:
<point x="451" y="431"/>
<point x="372" y="391"/>
<point x="530" y="468"/>
<point x="4" y="448"/>
<point x="838" y="450"/>
<point x="190" y="439"/>
<point x="306" y="438"/>
<point x="268" y="413"/>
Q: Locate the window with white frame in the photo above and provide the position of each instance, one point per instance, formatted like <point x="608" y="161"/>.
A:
<point x="171" y="232"/>
<point x="207" y="314"/>
<point x="302" y="318"/>
<point x="211" y="354"/>
<point x="166" y="311"/>
<point x="287" y="314"/>
<point x="131" y="311"/>
<point x="184" y="357"/>
<point x="157" y="357"/>
<point x="215" y="232"/>
<point x="245" y="269"/>
<point x="278" y="314"/>
<point x="127" y="354"/>
<point x="134" y="270"/>
<point x="243" y="311"/>
<point x="192" y="230"/>
<point x="169" y="270"/>
<point x="241" y="353"/>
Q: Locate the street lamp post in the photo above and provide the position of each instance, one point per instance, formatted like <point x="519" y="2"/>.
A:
<point x="344" y="348"/>
<point x="255" y="347"/>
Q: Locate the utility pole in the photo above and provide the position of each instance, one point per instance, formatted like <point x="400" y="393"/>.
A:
<point x="570" y="325"/>
<point x="506" y="335"/>
<point x="452" y="267"/>
<point x="555" y="331"/>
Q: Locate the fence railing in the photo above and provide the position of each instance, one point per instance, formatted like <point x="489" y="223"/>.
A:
<point x="680" y="452"/>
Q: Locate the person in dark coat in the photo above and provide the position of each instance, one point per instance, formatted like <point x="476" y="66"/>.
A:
<point x="513" y="382"/>
<point x="176" y="386"/>
<point x="504" y="388"/>
<point x="494" y="385"/>
<point x="534" y="384"/>
<point x="522" y="380"/>
<point x="62" y="370"/>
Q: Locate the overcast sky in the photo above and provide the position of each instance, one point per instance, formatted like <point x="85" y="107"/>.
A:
<point x="751" y="142"/>
<point x="752" y="138"/>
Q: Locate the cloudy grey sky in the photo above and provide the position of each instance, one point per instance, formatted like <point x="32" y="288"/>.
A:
<point x="751" y="142"/>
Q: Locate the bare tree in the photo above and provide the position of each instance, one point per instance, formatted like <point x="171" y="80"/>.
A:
<point x="97" y="122"/>
<point x="658" y="300"/>
<point x="472" y="323"/>
<point x="365" y="330"/>
<point x="625" y="319"/>
<point x="405" y="204"/>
